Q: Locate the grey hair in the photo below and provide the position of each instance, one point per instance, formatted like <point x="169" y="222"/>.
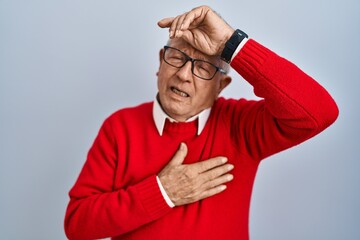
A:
<point x="225" y="66"/>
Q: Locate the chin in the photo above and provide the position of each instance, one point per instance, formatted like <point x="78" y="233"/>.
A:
<point x="179" y="115"/>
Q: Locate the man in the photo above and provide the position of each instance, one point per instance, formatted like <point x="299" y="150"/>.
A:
<point x="183" y="166"/>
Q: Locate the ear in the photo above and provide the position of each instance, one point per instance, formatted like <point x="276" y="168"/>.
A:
<point x="225" y="80"/>
<point x="161" y="54"/>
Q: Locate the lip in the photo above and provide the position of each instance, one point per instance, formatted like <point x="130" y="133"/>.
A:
<point x="179" y="92"/>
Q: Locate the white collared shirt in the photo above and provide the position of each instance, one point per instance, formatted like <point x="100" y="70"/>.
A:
<point x="160" y="117"/>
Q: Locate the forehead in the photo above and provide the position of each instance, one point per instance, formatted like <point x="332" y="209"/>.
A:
<point x="192" y="52"/>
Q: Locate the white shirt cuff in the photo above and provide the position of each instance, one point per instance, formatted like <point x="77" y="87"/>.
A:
<point x="239" y="48"/>
<point x="166" y="197"/>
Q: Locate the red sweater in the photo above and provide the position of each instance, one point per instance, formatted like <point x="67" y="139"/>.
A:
<point x="116" y="194"/>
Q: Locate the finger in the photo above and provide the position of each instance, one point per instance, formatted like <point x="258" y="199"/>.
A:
<point x="166" y="22"/>
<point x="179" y="156"/>
<point x="178" y="29"/>
<point x="172" y="29"/>
<point x="217" y="181"/>
<point x="194" y="17"/>
<point x="215" y="173"/>
<point x="211" y="192"/>
<point x="188" y="36"/>
<point x="209" y="164"/>
<point x="187" y="21"/>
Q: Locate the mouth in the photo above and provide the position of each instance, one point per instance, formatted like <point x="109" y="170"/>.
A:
<point x="179" y="92"/>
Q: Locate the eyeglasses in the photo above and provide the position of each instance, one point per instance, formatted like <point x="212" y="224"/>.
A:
<point x="200" y="68"/>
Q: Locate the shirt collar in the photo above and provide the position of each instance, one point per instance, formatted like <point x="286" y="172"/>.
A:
<point x="160" y="117"/>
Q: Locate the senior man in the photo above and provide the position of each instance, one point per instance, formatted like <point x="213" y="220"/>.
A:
<point x="183" y="166"/>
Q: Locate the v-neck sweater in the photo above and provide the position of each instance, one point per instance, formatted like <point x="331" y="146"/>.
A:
<point x="116" y="194"/>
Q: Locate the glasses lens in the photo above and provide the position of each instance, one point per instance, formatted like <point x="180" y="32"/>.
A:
<point x="174" y="57"/>
<point x="201" y="69"/>
<point x="204" y="69"/>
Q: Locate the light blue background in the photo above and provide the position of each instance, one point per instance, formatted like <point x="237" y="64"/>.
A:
<point x="66" y="65"/>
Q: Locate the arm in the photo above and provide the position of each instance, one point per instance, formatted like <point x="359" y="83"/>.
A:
<point x="295" y="106"/>
<point x="96" y="210"/>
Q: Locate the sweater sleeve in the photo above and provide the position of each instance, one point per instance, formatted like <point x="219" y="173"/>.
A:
<point x="294" y="106"/>
<point x="96" y="209"/>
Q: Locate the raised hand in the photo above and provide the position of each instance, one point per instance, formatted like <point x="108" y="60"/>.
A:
<point x="188" y="183"/>
<point x="202" y="28"/>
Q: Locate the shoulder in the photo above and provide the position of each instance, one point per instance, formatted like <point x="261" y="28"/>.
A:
<point x="228" y="105"/>
<point x="133" y="114"/>
<point x="230" y="110"/>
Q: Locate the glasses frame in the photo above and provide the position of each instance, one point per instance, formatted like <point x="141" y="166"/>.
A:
<point x="192" y="60"/>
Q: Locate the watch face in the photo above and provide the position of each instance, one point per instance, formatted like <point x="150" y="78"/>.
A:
<point x="241" y="33"/>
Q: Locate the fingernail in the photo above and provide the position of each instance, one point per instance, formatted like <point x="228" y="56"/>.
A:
<point x="224" y="160"/>
<point x="222" y="187"/>
<point x="230" y="177"/>
<point x="230" y="167"/>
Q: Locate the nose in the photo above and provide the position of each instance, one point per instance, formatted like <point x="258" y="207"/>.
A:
<point x="185" y="72"/>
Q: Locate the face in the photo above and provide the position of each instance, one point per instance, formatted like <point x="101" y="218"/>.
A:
<point x="183" y="95"/>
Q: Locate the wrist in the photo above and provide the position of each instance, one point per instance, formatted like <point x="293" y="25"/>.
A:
<point x="164" y="194"/>
<point x="227" y="35"/>
<point x="231" y="45"/>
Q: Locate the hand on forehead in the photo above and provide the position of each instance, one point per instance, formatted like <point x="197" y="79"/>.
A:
<point x="185" y="47"/>
<point x="201" y="27"/>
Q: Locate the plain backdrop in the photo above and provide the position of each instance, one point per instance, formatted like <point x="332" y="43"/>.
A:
<point x="66" y="65"/>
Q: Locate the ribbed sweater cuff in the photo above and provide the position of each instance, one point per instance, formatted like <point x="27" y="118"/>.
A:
<point x="250" y="58"/>
<point x="151" y="198"/>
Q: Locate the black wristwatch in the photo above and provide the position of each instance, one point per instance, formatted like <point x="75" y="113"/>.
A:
<point x="231" y="45"/>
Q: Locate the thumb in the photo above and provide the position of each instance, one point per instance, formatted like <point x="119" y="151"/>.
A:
<point x="179" y="156"/>
<point x="188" y="36"/>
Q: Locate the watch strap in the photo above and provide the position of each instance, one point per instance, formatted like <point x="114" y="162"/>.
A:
<point x="231" y="45"/>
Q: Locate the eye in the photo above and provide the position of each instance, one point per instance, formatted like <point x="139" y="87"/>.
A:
<point x="177" y="58"/>
<point x="204" y="67"/>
